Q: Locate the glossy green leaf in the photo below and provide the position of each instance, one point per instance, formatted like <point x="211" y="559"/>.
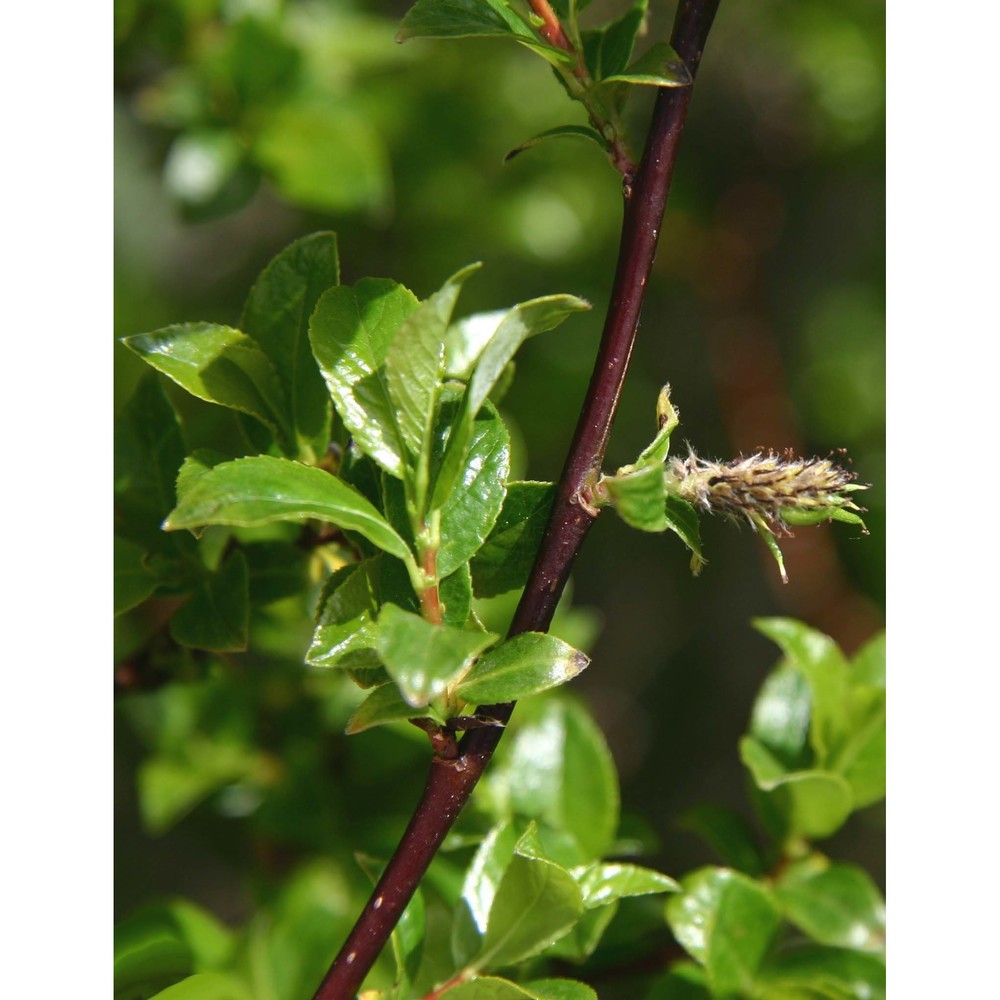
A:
<point x="728" y="834"/>
<point x="324" y="155"/>
<point x="471" y="19"/>
<point x="486" y="871"/>
<point x="537" y="902"/>
<point x="528" y="663"/>
<point x="220" y="365"/>
<point x="834" y="903"/>
<point x="682" y="519"/>
<point x="727" y="922"/>
<point x="487" y="988"/>
<point x="262" y="489"/>
<point x="217" y="616"/>
<point x="584" y="937"/>
<point x="505" y="558"/>
<point x="812" y="803"/>
<point x="559" y="132"/>
<point x="277" y="314"/>
<point x="149" y="450"/>
<point x="557" y="768"/>
<point x="860" y="758"/>
<point x="382" y="705"/>
<point x="134" y="581"/>
<point x="521" y="322"/>
<point x="639" y="498"/>
<point x="345" y="618"/>
<point x="471" y="509"/>
<point x="351" y="331"/>
<point x="607" y="50"/>
<point x="660" y="66"/>
<point x="818" y="658"/>
<point x="781" y="715"/>
<point x="840" y="973"/>
<point x="415" y="363"/>
<point x="150" y="952"/>
<point x="424" y="659"/>
<point x="604" y="882"/>
<point x="455" y="592"/>
<point x="207" y="986"/>
<point x="559" y="989"/>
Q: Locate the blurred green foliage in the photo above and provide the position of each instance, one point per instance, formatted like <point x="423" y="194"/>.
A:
<point x="244" y="124"/>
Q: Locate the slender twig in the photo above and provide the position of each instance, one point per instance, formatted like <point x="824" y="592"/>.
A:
<point x="451" y="782"/>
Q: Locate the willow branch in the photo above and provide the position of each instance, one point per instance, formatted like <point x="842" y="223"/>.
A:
<point x="450" y="783"/>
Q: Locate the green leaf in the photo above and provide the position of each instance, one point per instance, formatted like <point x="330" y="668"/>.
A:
<point x="860" y="758"/>
<point x="134" y="581"/>
<point x="415" y="362"/>
<point x="818" y="658"/>
<point x="472" y="506"/>
<point x="682" y="519"/>
<point x="607" y="50"/>
<point x="559" y="132"/>
<point x="324" y="155"/>
<point x="276" y="570"/>
<point x="351" y="331"/>
<point x="384" y="704"/>
<point x="835" y="904"/>
<point x="604" y="882"/>
<point x="207" y="986"/>
<point x="345" y="618"/>
<point x="813" y="803"/>
<point x="487" y="988"/>
<point x="218" y="615"/>
<point x="728" y="834"/>
<point x="220" y="365"/>
<point x="455" y="592"/>
<point x="537" y="902"/>
<point x="528" y="663"/>
<point x="868" y="664"/>
<point x="558" y="769"/>
<point x="149" y="450"/>
<point x="582" y="941"/>
<point x="667" y="419"/>
<point x="505" y="559"/>
<point x="639" y="498"/>
<point x="781" y="715"/>
<point x="424" y="659"/>
<point x="728" y="923"/>
<point x="837" y="973"/>
<point x="150" y="953"/>
<point x="660" y="66"/>
<point x="207" y="172"/>
<point x="486" y="871"/>
<point x="277" y="314"/>
<point x="684" y="981"/>
<point x="262" y="489"/>
<point x="521" y="322"/>
<point x="559" y="989"/>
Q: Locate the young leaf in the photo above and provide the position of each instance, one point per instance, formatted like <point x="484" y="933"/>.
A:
<point x="345" y="619"/>
<point x="382" y="705"/>
<point x="559" y="132"/>
<point x="506" y="557"/>
<point x="604" y="882"/>
<point x="351" y="331"/>
<point x="607" y="50"/>
<point x="276" y="316"/>
<point x="424" y="659"/>
<point x="523" y="321"/>
<point x="486" y="871"/>
<point x="218" y="615"/>
<point x="537" y="902"/>
<point x="415" y="361"/>
<point x="639" y="498"/>
<point x="727" y="922"/>
<point x="528" y="663"/>
<point x="220" y="365"/>
<point x="262" y="489"/>
<point x="682" y="519"/>
<point x="470" y="511"/>
<point x="660" y="66"/>
<point x="813" y="803"/>
<point x="836" y="904"/>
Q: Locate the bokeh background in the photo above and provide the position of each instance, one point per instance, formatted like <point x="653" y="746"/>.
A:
<point x="244" y="124"/>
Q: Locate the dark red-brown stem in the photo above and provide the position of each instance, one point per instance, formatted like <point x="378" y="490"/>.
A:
<point x="451" y="782"/>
